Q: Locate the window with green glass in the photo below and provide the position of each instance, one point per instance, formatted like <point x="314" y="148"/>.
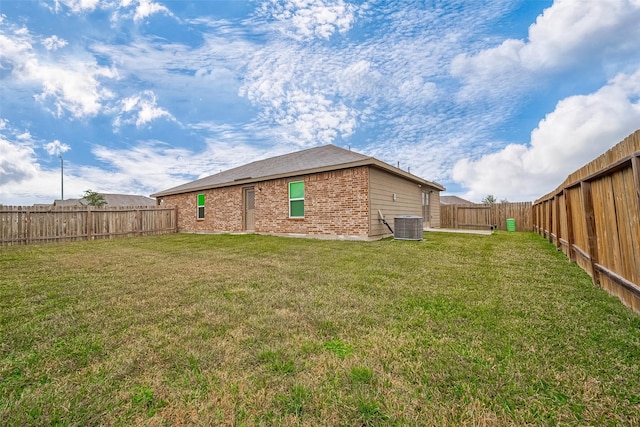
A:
<point x="296" y="199"/>
<point x="200" y="206"/>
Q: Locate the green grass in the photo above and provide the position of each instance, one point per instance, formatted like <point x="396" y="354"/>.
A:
<point x="259" y="330"/>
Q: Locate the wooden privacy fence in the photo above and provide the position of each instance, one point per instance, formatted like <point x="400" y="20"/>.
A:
<point x="39" y="224"/>
<point x="487" y="216"/>
<point x="594" y="218"/>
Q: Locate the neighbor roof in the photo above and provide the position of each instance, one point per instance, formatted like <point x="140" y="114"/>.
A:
<point x="112" y="200"/>
<point x="454" y="200"/>
<point x="312" y="160"/>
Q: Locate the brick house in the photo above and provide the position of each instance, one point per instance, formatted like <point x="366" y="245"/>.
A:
<point x="319" y="192"/>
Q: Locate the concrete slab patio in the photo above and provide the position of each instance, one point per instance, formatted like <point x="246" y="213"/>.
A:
<point x="459" y="230"/>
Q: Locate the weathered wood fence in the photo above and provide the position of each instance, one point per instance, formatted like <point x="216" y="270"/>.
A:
<point x="487" y="216"/>
<point x="39" y="224"/>
<point x="594" y="218"/>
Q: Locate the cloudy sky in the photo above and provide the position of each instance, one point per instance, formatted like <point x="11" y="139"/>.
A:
<point x="502" y="97"/>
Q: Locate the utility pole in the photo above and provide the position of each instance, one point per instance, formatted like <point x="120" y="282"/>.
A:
<point x="61" y="178"/>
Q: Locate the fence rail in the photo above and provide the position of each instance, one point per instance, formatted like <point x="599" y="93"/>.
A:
<point x="39" y="224"/>
<point x="487" y="216"/>
<point x="594" y="218"/>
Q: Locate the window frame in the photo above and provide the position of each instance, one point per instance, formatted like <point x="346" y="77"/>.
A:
<point x="296" y="199"/>
<point x="200" y="206"/>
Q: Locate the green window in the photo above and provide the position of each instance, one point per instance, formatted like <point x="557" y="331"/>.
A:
<point x="296" y="199"/>
<point x="200" y="206"/>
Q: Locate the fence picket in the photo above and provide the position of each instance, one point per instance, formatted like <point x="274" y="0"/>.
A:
<point x="39" y="224"/>
<point x="486" y="216"/>
<point x="602" y="204"/>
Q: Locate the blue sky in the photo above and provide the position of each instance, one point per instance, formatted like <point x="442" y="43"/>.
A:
<point x="485" y="97"/>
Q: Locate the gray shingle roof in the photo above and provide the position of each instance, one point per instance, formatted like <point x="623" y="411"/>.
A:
<point x="454" y="200"/>
<point x="112" y="200"/>
<point x="324" y="158"/>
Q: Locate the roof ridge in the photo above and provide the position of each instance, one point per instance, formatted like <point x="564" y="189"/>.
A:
<point x="300" y="152"/>
<point x="289" y="164"/>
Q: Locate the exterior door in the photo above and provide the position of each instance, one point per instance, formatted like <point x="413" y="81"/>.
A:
<point x="249" y="209"/>
<point x="426" y="211"/>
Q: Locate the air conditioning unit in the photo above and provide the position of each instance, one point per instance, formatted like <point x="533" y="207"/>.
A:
<point x="408" y="227"/>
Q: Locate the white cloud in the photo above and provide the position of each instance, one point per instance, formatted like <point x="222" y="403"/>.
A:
<point x="569" y="34"/>
<point x="73" y="88"/>
<point x="17" y="162"/>
<point x="386" y="86"/>
<point x="72" y="85"/>
<point x="146" y="8"/>
<point x="23" y="180"/>
<point x="312" y="119"/>
<point x="56" y="148"/>
<point x="77" y="6"/>
<point x="166" y="167"/>
<point x="40" y="186"/>
<point x="579" y="129"/>
<point x="293" y="89"/>
<point x="24" y="136"/>
<point x="140" y="109"/>
<point x="395" y="80"/>
<point x="54" y="43"/>
<point x="43" y="185"/>
<point x="136" y="9"/>
<point x="305" y="19"/>
<point x="161" y="162"/>
<point x="12" y="48"/>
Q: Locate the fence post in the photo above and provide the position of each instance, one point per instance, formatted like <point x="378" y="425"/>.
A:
<point x="557" y="223"/>
<point x="455" y="216"/>
<point x="551" y="218"/>
<point x="544" y="219"/>
<point x="139" y="216"/>
<point x="567" y="206"/>
<point x="89" y="223"/>
<point x="176" y="217"/>
<point x="635" y="169"/>
<point x="27" y="231"/>
<point x="590" y="218"/>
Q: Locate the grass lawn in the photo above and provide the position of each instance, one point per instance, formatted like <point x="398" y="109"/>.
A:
<point x="260" y="330"/>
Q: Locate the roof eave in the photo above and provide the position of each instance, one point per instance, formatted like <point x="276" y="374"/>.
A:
<point x="370" y="161"/>
<point x="405" y="174"/>
<point x="252" y="180"/>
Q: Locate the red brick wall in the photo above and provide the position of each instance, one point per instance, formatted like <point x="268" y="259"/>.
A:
<point x="336" y="203"/>
<point x="222" y="210"/>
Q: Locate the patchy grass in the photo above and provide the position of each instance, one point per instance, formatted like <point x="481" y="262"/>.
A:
<point x="259" y="330"/>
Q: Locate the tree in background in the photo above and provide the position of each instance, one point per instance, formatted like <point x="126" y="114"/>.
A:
<point x="93" y="198"/>
<point x="489" y="199"/>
